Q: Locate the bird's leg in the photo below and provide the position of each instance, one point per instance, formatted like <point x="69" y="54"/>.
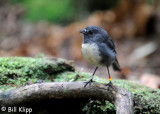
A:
<point x="91" y="78"/>
<point x="110" y="83"/>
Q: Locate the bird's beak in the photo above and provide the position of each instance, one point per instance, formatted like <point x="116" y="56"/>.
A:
<point x="82" y="31"/>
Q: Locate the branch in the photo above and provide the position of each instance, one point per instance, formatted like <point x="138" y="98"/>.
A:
<point x="120" y="97"/>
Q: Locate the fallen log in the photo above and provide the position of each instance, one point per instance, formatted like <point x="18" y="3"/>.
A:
<point x="120" y="97"/>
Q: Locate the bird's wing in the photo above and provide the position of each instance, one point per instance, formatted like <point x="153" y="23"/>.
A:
<point x="110" y="44"/>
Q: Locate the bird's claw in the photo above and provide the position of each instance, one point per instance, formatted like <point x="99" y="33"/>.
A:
<point x="88" y="82"/>
<point x="110" y="85"/>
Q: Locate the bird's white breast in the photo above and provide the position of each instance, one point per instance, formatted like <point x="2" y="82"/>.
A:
<point x="91" y="53"/>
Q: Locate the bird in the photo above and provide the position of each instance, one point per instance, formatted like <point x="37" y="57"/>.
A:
<point x="98" y="49"/>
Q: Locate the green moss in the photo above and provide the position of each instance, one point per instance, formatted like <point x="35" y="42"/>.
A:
<point x="99" y="107"/>
<point x="16" y="71"/>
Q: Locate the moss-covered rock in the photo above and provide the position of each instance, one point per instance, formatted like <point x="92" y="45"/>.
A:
<point x="18" y="71"/>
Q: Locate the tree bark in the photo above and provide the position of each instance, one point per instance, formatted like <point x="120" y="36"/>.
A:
<point x="120" y="97"/>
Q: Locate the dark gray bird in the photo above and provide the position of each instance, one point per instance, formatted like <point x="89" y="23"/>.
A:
<point x="99" y="49"/>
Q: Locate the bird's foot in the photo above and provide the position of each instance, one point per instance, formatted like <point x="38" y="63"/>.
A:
<point x="88" y="82"/>
<point x="110" y="84"/>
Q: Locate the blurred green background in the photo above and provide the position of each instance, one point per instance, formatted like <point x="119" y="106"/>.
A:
<point x="49" y="10"/>
<point x="62" y="11"/>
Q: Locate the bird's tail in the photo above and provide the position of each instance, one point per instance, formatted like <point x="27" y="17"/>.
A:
<point x="116" y="65"/>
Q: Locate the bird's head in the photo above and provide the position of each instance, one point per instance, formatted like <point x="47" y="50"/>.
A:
<point x="93" y="33"/>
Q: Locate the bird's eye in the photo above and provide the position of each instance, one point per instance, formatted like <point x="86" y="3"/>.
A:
<point x="90" y="32"/>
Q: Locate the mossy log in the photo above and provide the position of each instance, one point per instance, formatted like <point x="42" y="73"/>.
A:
<point x="17" y="72"/>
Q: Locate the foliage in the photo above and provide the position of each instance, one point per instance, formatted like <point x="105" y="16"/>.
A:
<point x="50" y="10"/>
